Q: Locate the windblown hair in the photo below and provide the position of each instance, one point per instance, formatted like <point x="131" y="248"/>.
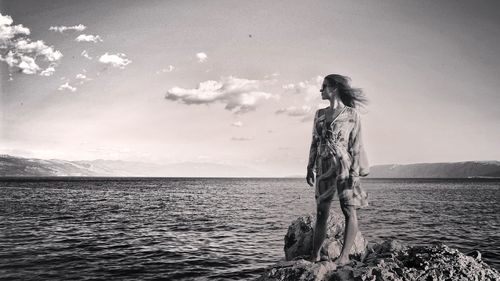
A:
<point x="353" y="97"/>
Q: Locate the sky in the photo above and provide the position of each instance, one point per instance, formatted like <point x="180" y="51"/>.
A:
<point x="237" y="82"/>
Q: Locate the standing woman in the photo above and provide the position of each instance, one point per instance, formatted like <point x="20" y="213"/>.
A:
<point x="338" y="158"/>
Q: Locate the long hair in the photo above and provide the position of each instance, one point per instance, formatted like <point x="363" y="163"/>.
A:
<point x="353" y="97"/>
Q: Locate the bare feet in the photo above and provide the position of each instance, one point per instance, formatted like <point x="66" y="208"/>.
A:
<point x="341" y="261"/>
<point x="314" y="258"/>
<point x="319" y="258"/>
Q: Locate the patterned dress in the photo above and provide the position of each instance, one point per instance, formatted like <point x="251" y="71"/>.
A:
<point x="337" y="156"/>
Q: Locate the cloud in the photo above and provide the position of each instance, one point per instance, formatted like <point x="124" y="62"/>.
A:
<point x="82" y="77"/>
<point x="22" y="53"/>
<point x="9" y="31"/>
<point x="237" y="124"/>
<point x="295" y="111"/>
<point x="116" y="60"/>
<point x="86" y="55"/>
<point x="170" y="68"/>
<point x="273" y="75"/>
<point x="48" y="71"/>
<point x="238" y="95"/>
<point x="88" y="38"/>
<point x="38" y="48"/>
<point x="62" y="28"/>
<point x="67" y="86"/>
<point x="309" y="88"/>
<point x="241" y="139"/>
<point x="202" y="57"/>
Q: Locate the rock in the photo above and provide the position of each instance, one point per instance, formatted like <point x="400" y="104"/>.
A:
<point x="386" y="260"/>
<point x="298" y="240"/>
<point x="300" y="269"/>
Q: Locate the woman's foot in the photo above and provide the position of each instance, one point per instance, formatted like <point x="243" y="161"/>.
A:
<point x="341" y="261"/>
<point x="319" y="258"/>
<point x="314" y="259"/>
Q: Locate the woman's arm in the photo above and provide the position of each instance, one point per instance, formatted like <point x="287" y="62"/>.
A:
<point x="313" y="151"/>
<point x="359" y="165"/>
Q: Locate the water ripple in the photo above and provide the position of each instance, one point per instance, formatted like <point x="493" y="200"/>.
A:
<point x="214" y="229"/>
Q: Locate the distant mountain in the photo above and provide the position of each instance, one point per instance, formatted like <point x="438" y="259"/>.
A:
<point x="18" y="166"/>
<point x="465" y="169"/>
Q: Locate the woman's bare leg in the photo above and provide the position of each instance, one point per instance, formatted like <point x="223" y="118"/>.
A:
<point x="351" y="229"/>
<point x="320" y="228"/>
<point x="323" y="210"/>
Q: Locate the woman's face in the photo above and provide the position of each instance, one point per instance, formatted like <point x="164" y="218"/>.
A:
<point x="327" y="90"/>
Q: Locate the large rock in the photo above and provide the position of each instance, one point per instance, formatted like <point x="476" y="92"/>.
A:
<point x="387" y="260"/>
<point x="298" y="240"/>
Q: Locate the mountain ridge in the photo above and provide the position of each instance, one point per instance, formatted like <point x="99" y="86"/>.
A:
<point x="13" y="166"/>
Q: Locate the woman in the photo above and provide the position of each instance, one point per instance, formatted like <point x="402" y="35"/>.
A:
<point x="338" y="158"/>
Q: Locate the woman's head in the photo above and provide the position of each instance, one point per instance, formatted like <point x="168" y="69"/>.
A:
<point x="339" y="84"/>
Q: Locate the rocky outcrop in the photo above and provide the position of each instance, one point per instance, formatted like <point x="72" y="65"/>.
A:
<point x="386" y="260"/>
<point x="298" y="240"/>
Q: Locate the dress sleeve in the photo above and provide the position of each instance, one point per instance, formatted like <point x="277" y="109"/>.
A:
<point x="359" y="165"/>
<point x="313" y="151"/>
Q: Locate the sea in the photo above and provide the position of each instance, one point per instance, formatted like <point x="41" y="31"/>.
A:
<point x="215" y="228"/>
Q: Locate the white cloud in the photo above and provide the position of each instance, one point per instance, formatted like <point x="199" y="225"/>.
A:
<point x="28" y="65"/>
<point x="9" y="31"/>
<point x="273" y="75"/>
<point x="38" y="48"/>
<point x="22" y="53"/>
<point x="88" y="38"/>
<point x="82" y="77"/>
<point x="202" y="57"/>
<point x="85" y="54"/>
<point x="67" y="86"/>
<point x="170" y="68"/>
<point x="295" y="111"/>
<point x="237" y="124"/>
<point x="48" y="71"/>
<point x="238" y="95"/>
<point x="309" y="88"/>
<point x="62" y="28"/>
<point x="116" y="60"/>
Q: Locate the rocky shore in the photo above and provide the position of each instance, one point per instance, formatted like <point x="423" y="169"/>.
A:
<point x="386" y="260"/>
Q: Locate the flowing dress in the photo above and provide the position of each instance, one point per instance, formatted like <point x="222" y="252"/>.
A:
<point x="338" y="157"/>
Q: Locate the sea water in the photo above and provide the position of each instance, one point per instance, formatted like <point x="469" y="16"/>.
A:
<point x="215" y="228"/>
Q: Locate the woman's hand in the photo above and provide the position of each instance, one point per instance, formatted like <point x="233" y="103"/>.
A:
<point x="353" y="181"/>
<point x="310" y="177"/>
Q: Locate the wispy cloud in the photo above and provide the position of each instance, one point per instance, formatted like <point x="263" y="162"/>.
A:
<point x="116" y="60"/>
<point x="309" y="89"/>
<point x="170" y="68"/>
<point x="81" y="76"/>
<point x="62" y="28"/>
<point x="22" y="53"/>
<point x="237" y="124"/>
<point x="85" y="54"/>
<point x="238" y="95"/>
<point x="305" y="111"/>
<point x="241" y="139"/>
<point x="202" y="57"/>
<point x="67" y="86"/>
<point x="295" y="111"/>
<point x="88" y="38"/>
